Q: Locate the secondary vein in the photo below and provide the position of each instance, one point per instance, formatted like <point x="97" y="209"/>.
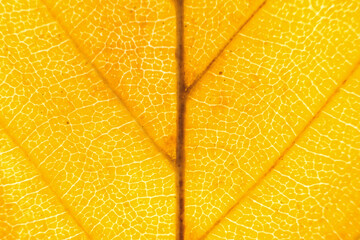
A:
<point x="188" y="89"/>
<point x="47" y="182"/>
<point x="103" y="78"/>
<point x="276" y="162"/>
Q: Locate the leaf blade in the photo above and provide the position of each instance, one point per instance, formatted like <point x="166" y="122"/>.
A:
<point x="27" y="203"/>
<point x="209" y="27"/>
<point x="258" y="96"/>
<point x="79" y="135"/>
<point x="132" y="44"/>
<point x="322" y="172"/>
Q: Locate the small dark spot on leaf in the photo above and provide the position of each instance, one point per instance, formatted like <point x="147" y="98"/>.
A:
<point x="220" y="73"/>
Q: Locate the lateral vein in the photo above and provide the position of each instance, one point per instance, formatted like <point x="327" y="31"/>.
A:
<point x="276" y="162"/>
<point x="103" y="78"/>
<point x="45" y="180"/>
<point x="189" y="88"/>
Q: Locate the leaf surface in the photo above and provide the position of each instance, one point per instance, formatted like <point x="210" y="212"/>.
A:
<point x="95" y="144"/>
<point x="258" y="96"/>
<point x="79" y="136"/>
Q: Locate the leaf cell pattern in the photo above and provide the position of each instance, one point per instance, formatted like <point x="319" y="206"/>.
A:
<point x="89" y="110"/>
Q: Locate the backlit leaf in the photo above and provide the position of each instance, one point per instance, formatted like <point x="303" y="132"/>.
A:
<point x="193" y="119"/>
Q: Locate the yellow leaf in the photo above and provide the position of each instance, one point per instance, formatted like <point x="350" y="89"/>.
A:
<point x="188" y="119"/>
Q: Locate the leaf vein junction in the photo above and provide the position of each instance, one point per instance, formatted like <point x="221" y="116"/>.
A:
<point x="103" y="78"/>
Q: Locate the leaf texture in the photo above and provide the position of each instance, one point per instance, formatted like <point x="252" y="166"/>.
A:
<point x="132" y="45"/>
<point x="261" y="93"/>
<point x="79" y="136"/>
<point x="263" y="142"/>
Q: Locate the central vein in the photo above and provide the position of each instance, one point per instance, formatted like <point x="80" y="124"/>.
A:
<point x="180" y="159"/>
